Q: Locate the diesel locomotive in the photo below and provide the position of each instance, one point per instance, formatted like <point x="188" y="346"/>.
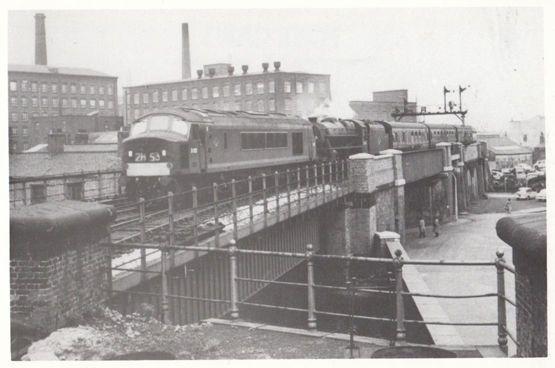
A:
<point x="176" y="148"/>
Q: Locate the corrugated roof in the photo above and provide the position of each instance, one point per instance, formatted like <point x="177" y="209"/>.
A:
<point x="45" y="69"/>
<point x="41" y="163"/>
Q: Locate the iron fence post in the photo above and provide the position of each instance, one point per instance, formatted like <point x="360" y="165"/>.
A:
<point x="216" y="220"/>
<point x="99" y="184"/>
<point x="234" y="313"/>
<point x="24" y="195"/>
<point x="109" y="267"/>
<point x="311" y="302"/>
<point x="288" y="184"/>
<point x="323" y="169"/>
<point x="315" y="168"/>
<point x="142" y="225"/>
<point x="298" y="190"/>
<point x="195" y="214"/>
<point x="264" y="200"/>
<point x="171" y="228"/>
<point x="234" y="205"/>
<point x="164" y="277"/>
<point x="307" y="183"/>
<point x="400" y="335"/>
<point x="251" y="211"/>
<point x="501" y="306"/>
<point x="276" y="187"/>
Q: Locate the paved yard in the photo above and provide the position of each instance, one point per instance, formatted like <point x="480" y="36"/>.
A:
<point x="472" y="238"/>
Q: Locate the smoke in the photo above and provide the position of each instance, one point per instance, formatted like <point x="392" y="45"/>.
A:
<point x="332" y="108"/>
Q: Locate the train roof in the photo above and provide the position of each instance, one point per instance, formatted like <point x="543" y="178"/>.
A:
<point x="231" y="118"/>
<point x="398" y="125"/>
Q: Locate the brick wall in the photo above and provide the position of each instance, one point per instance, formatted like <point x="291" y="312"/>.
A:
<point x="531" y="299"/>
<point x="57" y="265"/>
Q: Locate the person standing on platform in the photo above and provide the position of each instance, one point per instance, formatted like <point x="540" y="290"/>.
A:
<point x="508" y="206"/>
<point x="422" y="227"/>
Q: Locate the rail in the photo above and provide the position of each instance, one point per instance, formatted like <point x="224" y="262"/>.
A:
<point x="396" y="262"/>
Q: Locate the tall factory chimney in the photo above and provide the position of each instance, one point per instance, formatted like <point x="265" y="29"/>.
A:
<point x="186" y="54"/>
<point x="40" y="40"/>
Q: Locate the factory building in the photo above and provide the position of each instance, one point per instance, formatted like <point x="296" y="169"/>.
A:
<point x="383" y="104"/>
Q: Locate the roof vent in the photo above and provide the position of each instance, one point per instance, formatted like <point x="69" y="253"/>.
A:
<point x="230" y="69"/>
<point x="265" y="67"/>
<point x="245" y="68"/>
<point x="199" y="73"/>
<point x="211" y="72"/>
<point x="277" y="65"/>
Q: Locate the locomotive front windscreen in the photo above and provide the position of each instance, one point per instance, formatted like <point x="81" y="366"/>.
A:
<point x="161" y="122"/>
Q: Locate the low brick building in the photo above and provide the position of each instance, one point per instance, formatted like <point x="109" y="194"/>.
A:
<point x="383" y="104"/>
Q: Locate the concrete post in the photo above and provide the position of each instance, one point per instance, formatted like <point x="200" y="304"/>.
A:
<point x="311" y="302"/>
<point x="401" y="333"/>
<point x="399" y="192"/>
<point x="234" y="312"/>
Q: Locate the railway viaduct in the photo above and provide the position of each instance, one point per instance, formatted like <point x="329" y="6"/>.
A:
<point x="339" y="214"/>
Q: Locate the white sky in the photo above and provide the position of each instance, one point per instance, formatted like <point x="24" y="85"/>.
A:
<point x="497" y="51"/>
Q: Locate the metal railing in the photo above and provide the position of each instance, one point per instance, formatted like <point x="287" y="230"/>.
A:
<point x="207" y="211"/>
<point x="396" y="263"/>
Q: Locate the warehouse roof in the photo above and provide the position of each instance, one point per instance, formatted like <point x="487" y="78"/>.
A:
<point x="45" y="69"/>
<point x="509" y="150"/>
<point x="42" y="164"/>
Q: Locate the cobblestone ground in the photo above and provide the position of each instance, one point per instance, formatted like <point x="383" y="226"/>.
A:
<point x="472" y="238"/>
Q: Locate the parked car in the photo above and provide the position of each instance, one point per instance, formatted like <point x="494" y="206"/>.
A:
<point x="541" y="196"/>
<point x="525" y="193"/>
<point x="497" y="174"/>
<point x="540" y="165"/>
<point x="524" y="167"/>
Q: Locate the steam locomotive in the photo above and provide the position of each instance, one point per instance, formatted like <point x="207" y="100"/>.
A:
<point x="173" y="149"/>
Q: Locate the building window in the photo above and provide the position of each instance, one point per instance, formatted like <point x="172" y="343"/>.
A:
<point x="260" y="88"/>
<point x="92" y="103"/>
<point x="164" y="96"/>
<point x="64" y="102"/>
<point x="310" y="87"/>
<point x="136" y="113"/>
<point x="92" y="90"/>
<point x="13" y="101"/>
<point x="54" y="87"/>
<point x="24" y="85"/>
<point x="237" y="90"/>
<point x="184" y="94"/>
<point x="34" y="87"/>
<point x="55" y="102"/>
<point x="44" y="101"/>
<point x="73" y="88"/>
<point x="38" y="193"/>
<point x="260" y="106"/>
<point x="101" y="103"/>
<point x="287" y="104"/>
<point x="322" y="87"/>
<point x="145" y="98"/>
<point x="237" y="105"/>
<point x="24" y="101"/>
<point x="74" y="191"/>
<point x="248" y="88"/>
<point x="74" y="103"/>
<point x="25" y="131"/>
<point x="272" y="105"/>
<point x="83" y="89"/>
<point x="44" y="87"/>
<point x="83" y="103"/>
<point x="110" y="89"/>
<point x="174" y="95"/>
<point x="248" y="105"/>
<point x="34" y="102"/>
<point x="215" y="91"/>
<point x="204" y="92"/>
<point x="15" y="117"/>
<point x="100" y="90"/>
<point x="271" y="87"/>
<point x="64" y="88"/>
<point x="155" y="97"/>
<point x="136" y="99"/>
<point x="13" y="86"/>
<point x="24" y="116"/>
<point x="299" y="87"/>
<point x="194" y="94"/>
<point x="110" y="104"/>
<point x="287" y="87"/>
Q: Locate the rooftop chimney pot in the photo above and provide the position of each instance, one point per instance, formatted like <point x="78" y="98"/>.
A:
<point x="199" y="73"/>
<point x="230" y="69"/>
<point x="245" y="68"/>
<point x="212" y="72"/>
<point x="265" y="67"/>
<point x="277" y="65"/>
<point x="56" y="142"/>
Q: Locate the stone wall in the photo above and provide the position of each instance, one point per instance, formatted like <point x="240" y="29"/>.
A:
<point x="57" y="265"/>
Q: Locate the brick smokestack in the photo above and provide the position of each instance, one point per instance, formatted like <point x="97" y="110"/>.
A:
<point x="186" y="54"/>
<point x="40" y="40"/>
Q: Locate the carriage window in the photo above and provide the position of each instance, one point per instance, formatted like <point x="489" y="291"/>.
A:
<point x="276" y="140"/>
<point x="253" y="140"/>
<point x="158" y="122"/>
<point x="138" y="128"/>
<point x="181" y="127"/>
